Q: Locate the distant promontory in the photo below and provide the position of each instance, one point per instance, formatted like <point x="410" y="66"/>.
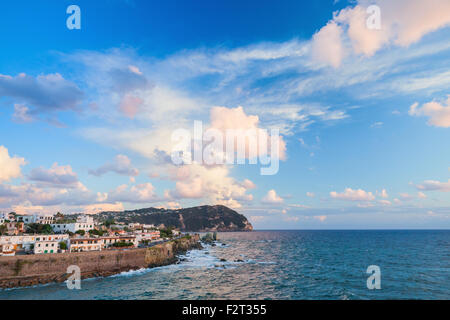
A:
<point x="196" y="219"/>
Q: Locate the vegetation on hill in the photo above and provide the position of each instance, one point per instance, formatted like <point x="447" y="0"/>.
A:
<point x="197" y="219"/>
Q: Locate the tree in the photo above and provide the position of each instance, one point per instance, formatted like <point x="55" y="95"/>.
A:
<point x="59" y="216"/>
<point x="96" y="232"/>
<point x="109" y="222"/>
<point x="63" y="245"/>
<point x="80" y="232"/>
<point x="39" y="228"/>
<point x="122" y="244"/>
<point x="3" y="229"/>
<point x="166" y="233"/>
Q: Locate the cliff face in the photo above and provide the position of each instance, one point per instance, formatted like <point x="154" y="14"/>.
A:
<point x="31" y="270"/>
<point x="196" y="219"/>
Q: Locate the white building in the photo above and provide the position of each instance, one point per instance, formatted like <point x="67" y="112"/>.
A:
<point x="109" y="241"/>
<point x="85" y="223"/>
<point x="26" y="242"/>
<point x="85" y="244"/>
<point x="36" y="218"/>
<point x="49" y="246"/>
<point x="6" y="216"/>
<point x="147" y="236"/>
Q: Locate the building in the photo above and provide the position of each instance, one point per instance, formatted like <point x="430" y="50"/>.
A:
<point x="6" y="217"/>
<point x="46" y="246"/>
<point x="27" y="219"/>
<point x="109" y="241"/>
<point x="14" y="228"/>
<point x="85" y="244"/>
<point x="148" y="236"/>
<point x="134" y="226"/>
<point x="85" y="223"/>
<point x="36" y="218"/>
<point x="28" y="242"/>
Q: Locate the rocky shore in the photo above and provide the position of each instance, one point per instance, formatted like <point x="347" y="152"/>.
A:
<point x="23" y="271"/>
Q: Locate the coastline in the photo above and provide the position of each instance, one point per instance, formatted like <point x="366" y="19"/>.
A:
<point x="26" y="271"/>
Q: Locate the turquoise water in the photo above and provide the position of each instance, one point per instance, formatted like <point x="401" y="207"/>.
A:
<point x="283" y="265"/>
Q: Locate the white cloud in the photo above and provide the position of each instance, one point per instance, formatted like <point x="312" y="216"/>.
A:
<point x="272" y="198"/>
<point x="22" y="114"/>
<point x="403" y="22"/>
<point x="406" y="196"/>
<point x="100" y="207"/>
<point x="225" y="119"/>
<point x="310" y="194"/>
<point x="327" y="45"/>
<point x="378" y="124"/>
<point x="212" y="183"/>
<point x="57" y="176"/>
<point x="45" y="93"/>
<point x="383" y="194"/>
<point x="320" y="218"/>
<point x="433" y="185"/>
<point x="121" y="165"/>
<point x="353" y="195"/>
<point x="421" y="195"/>
<point x="385" y="202"/>
<point x="247" y="184"/>
<point x="142" y="193"/>
<point x="10" y="167"/>
<point x="439" y="114"/>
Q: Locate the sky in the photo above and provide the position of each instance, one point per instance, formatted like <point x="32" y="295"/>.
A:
<point x="360" y="98"/>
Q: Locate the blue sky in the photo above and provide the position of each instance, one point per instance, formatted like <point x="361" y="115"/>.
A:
<point x="86" y="116"/>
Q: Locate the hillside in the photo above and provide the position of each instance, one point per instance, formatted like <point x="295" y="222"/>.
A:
<point x="196" y="219"/>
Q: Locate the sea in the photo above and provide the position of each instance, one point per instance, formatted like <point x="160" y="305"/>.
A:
<point x="294" y="265"/>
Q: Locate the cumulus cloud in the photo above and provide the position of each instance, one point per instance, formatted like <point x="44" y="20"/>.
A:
<point x="384" y="202"/>
<point x="406" y="196"/>
<point x="46" y="195"/>
<point x="272" y="198"/>
<point x="100" y="207"/>
<point x="10" y="167"/>
<point x="212" y="183"/>
<point x="320" y="218"/>
<point x="327" y="45"/>
<point x="421" y="195"/>
<point x="248" y="184"/>
<point x="438" y="114"/>
<point x="120" y="165"/>
<point x="225" y="119"/>
<point x="433" y="185"/>
<point x="45" y="93"/>
<point x="353" y="195"/>
<point x="56" y="176"/>
<point x="403" y="22"/>
<point x="22" y="114"/>
<point x="310" y="194"/>
<point x="383" y="194"/>
<point x="142" y="193"/>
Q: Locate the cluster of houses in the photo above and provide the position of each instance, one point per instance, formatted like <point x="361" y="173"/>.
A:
<point x="70" y="235"/>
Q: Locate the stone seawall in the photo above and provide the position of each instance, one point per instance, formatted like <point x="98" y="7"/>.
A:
<point x="20" y="271"/>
